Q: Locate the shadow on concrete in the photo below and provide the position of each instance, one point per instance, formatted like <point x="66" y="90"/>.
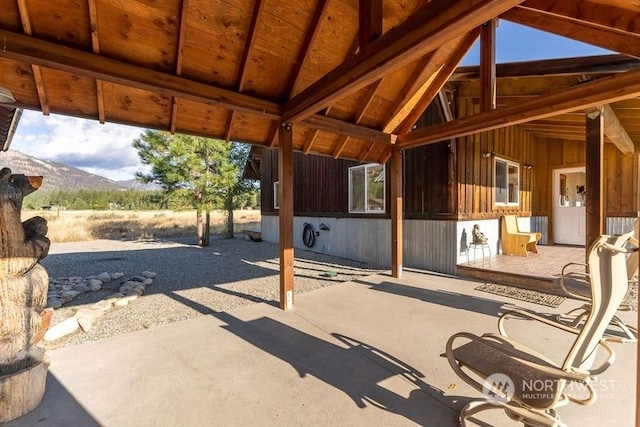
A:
<point x="444" y="298"/>
<point x="354" y="367"/>
<point x="58" y="408"/>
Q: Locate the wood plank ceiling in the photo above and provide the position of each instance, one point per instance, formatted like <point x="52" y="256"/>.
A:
<point x="235" y="69"/>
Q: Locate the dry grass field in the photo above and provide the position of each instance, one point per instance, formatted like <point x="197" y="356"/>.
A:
<point x="74" y="226"/>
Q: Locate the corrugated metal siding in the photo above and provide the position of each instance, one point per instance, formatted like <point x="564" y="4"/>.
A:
<point x="366" y="240"/>
<point x="541" y="225"/>
<point x="619" y="225"/>
<point x="430" y="245"/>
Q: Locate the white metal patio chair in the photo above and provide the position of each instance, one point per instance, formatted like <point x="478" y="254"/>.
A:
<point x="500" y="367"/>
<point x="576" y="284"/>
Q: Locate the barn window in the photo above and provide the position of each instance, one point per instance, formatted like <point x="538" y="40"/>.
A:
<point x="366" y="189"/>
<point x="506" y="182"/>
<point x="276" y="195"/>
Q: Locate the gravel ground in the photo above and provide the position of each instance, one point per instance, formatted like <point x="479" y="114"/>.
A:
<point x="191" y="281"/>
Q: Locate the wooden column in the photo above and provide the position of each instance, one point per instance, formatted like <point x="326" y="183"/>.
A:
<point x="396" y="212"/>
<point x="595" y="211"/>
<point x="285" y="174"/>
<point x="488" y="65"/>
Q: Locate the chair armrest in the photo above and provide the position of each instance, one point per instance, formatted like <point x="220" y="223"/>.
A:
<point x="584" y="275"/>
<point x="522" y="313"/>
<point x="532" y="316"/>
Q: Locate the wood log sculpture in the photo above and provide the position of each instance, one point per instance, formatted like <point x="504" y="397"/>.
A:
<point x="23" y="297"/>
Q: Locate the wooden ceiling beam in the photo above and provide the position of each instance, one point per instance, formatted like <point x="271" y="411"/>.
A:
<point x="46" y="54"/>
<point x="591" y="65"/>
<point x="37" y="72"/>
<point x="310" y="37"/>
<point x="614" y="130"/>
<point x="590" y="94"/>
<point x="427" y="29"/>
<point x="95" y="45"/>
<point x="179" y="56"/>
<point x="440" y="79"/>
<point x="605" y="37"/>
<point x="246" y="54"/>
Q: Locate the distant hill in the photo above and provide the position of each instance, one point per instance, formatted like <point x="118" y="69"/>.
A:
<point x="58" y="176"/>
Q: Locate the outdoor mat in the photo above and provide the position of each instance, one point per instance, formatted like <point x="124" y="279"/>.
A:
<point x="528" y="295"/>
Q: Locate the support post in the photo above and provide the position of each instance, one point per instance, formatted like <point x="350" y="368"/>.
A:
<point x="285" y="173"/>
<point x="595" y="211"/>
<point x="488" y="65"/>
<point x="396" y="212"/>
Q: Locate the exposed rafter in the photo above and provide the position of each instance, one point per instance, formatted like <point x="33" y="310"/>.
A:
<point x="426" y="30"/>
<point x="37" y="72"/>
<point x="589" y="94"/>
<point x="95" y="44"/>
<point x="302" y="57"/>
<point x="23" y="48"/>
<point x="583" y="28"/>
<point x="181" y="31"/>
<point x="433" y="76"/>
<point x="246" y="54"/>
<point x="439" y="80"/>
<point x="591" y="65"/>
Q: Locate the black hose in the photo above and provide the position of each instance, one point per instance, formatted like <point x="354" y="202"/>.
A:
<point x="308" y="235"/>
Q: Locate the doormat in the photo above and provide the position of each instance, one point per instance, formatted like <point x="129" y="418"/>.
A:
<point x="528" y="295"/>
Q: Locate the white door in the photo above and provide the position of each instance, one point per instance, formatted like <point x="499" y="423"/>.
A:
<point x="568" y="206"/>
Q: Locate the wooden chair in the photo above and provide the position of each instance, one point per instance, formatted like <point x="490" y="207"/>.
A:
<point x="514" y="241"/>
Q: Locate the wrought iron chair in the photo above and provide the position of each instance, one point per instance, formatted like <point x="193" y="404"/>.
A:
<point x="500" y="367"/>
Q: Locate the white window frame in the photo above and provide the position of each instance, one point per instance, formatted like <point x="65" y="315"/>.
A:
<point x="366" y="190"/>
<point x="507" y="163"/>
<point x="276" y="195"/>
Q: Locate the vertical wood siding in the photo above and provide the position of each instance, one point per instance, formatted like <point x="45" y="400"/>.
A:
<point x="475" y="172"/>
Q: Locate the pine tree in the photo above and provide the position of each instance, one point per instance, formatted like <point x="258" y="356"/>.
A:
<point x="207" y="172"/>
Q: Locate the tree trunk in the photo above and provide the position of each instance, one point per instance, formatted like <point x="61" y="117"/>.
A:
<point x="199" y="227"/>
<point x="228" y="204"/>
<point x="207" y="226"/>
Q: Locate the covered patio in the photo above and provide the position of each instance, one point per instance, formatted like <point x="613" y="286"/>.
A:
<point x="357" y="353"/>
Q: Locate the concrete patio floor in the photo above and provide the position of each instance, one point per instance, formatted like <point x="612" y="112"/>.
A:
<point x="358" y="353"/>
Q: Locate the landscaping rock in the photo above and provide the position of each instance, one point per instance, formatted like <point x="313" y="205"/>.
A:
<point x="104" y="277"/>
<point x="63" y="328"/>
<point x="86" y="317"/>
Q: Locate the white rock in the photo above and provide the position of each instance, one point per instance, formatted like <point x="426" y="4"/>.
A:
<point x="147" y="281"/>
<point x="116" y="276"/>
<point x="104" y="305"/>
<point x="63" y="328"/>
<point x="125" y="300"/>
<point x="149" y="274"/>
<point x="105" y="277"/>
<point x="86" y="317"/>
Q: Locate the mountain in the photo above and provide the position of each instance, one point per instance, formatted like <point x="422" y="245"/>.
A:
<point x="58" y="176"/>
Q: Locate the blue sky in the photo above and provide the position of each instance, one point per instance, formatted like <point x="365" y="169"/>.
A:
<point x="106" y="149"/>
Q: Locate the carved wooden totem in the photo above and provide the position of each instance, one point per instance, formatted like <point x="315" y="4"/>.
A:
<point x="23" y="298"/>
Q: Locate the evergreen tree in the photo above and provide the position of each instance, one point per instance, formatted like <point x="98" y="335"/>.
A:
<point x="201" y="170"/>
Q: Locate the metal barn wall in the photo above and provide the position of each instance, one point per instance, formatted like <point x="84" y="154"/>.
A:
<point x="366" y="240"/>
<point x="428" y="245"/>
<point x="619" y="225"/>
<point x="541" y="225"/>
